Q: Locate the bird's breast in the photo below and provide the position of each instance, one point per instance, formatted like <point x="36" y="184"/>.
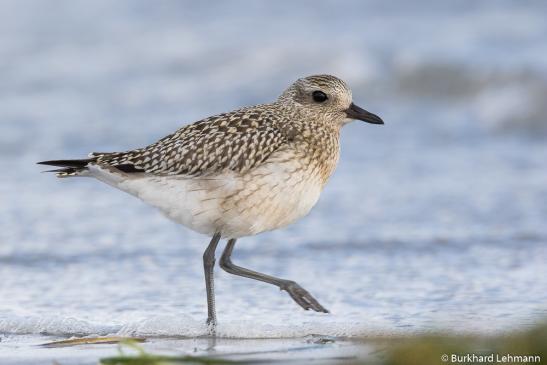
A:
<point x="273" y="195"/>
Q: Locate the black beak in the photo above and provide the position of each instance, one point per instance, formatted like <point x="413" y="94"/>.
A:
<point x="355" y="112"/>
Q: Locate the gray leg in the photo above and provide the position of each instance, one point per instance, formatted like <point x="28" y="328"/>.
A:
<point x="208" y="266"/>
<point x="297" y="293"/>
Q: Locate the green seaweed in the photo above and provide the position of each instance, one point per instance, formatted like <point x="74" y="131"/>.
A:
<point x="144" y="358"/>
<point x="148" y="359"/>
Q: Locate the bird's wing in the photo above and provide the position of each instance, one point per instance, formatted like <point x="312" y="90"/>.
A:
<point x="236" y="141"/>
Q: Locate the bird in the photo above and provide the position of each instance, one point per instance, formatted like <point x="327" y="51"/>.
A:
<point x="238" y="174"/>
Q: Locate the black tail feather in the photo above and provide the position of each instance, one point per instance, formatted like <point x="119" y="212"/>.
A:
<point x="68" y="167"/>
<point x="68" y="163"/>
<point x="67" y="170"/>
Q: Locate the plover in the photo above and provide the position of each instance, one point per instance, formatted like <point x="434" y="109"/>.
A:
<point x="240" y="173"/>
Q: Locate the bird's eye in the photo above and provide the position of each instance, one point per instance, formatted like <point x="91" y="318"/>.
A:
<point x="319" y="96"/>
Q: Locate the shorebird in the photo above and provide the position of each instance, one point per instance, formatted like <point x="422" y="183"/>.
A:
<point x="240" y="173"/>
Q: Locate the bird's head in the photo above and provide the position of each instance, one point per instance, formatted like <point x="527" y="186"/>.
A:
<point x="329" y="96"/>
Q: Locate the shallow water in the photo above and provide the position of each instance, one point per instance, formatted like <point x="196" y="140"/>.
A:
<point x="435" y="220"/>
<point x="320" y="350"/>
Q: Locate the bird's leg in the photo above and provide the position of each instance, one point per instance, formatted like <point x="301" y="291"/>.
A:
<point x="297" y="293"/>
<point x="208" y="266"/>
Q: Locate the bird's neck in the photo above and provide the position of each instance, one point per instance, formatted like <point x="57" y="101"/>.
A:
<point x="318" y="142"/>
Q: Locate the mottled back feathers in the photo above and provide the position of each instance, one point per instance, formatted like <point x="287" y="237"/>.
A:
<point x="236" y="141"/>
<point x="239" y="141"/>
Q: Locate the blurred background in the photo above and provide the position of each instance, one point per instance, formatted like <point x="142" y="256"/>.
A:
<point x="435" y="220"/>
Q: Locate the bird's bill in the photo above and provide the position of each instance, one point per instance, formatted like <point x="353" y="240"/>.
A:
<point x="355" y="112"/>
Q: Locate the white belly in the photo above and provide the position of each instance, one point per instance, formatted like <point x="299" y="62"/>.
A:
<point x="269" y="197"/>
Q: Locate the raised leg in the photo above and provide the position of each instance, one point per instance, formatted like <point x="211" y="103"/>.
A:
<point x="297" y="293"/>
<point x="208" y="266"/>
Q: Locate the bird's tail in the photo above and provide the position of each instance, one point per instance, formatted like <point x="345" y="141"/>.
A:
<point x="68" y="167"/>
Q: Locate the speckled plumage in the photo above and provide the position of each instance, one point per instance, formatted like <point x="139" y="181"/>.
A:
<point x="240" y="173"/>
<point x="257" y="168"/>
<point x="235" y="141"/>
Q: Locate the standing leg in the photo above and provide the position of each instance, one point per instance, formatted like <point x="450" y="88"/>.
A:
<point x="208" y="266"/>
<point x="297" y="293"/>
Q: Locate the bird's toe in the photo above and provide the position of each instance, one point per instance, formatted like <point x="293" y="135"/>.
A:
<point x="303" y="298"/>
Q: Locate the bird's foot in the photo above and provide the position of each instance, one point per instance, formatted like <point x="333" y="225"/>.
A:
<point x="302" y="297"/>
